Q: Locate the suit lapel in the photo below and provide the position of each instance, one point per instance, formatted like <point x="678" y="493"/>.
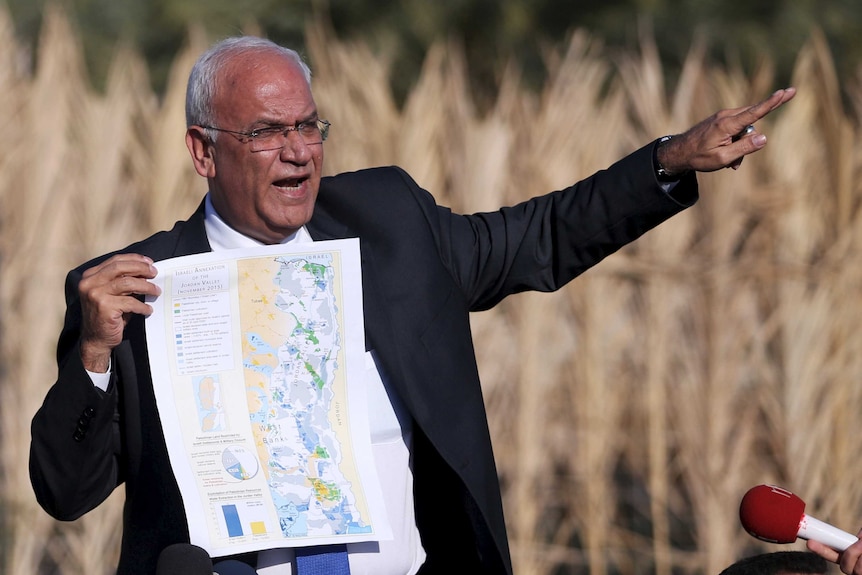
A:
<point x="193" y="237"/>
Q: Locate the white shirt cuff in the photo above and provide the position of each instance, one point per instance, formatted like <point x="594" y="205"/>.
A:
<point x="101" y="380"/>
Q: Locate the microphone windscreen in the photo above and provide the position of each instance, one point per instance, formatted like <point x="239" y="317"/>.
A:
<point x="184" y="559"/>
<point x="771" y="513"/>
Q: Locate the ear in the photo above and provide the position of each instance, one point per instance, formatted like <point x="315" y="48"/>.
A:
<point x="201" y="150"/>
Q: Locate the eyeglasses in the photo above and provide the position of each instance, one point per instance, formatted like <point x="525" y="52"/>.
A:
<point x="275" y="137"/>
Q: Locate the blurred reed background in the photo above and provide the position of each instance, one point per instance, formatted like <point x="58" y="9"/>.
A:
<point x="630" y="411"/>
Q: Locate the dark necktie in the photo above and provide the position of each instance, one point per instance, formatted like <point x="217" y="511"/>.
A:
<point x="322" y="560"/>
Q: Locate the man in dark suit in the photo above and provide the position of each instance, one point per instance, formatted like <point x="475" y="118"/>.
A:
<point x="255" y="135"/>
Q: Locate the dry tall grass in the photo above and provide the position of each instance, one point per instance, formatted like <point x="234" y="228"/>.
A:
<point x="631" y="410"/>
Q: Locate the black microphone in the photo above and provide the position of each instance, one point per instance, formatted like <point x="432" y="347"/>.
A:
<point x="184" y="559"/>
<point x="233" y="567"/>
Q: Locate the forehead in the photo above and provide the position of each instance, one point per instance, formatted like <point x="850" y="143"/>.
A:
<point x="263" y="86"/>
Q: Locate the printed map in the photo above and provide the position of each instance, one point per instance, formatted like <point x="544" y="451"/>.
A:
<point x="296" y="393"/>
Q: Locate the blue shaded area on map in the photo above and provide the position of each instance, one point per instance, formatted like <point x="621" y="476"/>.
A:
<point x="260" y="347"/>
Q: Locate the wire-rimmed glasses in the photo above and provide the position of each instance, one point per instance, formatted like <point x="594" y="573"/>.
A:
<point x="275" y="137"/>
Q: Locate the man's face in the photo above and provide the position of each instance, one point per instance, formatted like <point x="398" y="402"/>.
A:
<point x="270" y="194"/>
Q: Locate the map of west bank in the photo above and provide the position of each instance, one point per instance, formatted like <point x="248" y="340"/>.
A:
<point x="259" y="369"/>
<point x="291" y="356"/>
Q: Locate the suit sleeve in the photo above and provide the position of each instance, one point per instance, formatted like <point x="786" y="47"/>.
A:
<point x="75" y="439"/>
<point x="543" y="243"/>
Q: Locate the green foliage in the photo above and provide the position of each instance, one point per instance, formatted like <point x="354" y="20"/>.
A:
<point x="492" y="32"/>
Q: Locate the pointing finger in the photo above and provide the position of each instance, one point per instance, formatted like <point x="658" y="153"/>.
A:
<point x="754" y="113"/>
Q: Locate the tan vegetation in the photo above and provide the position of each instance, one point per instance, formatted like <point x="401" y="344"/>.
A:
<point x="631" y="410"/>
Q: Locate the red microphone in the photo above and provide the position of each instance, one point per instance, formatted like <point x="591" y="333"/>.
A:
<point x="776" y="515"/>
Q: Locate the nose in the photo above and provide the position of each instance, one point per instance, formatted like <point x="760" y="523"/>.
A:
<point x="296" y="150"/>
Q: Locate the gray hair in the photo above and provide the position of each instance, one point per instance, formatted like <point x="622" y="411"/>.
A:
<point x="201" y="88"/>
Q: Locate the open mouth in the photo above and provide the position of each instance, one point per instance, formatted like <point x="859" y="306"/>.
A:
<point x="290" y="183"/>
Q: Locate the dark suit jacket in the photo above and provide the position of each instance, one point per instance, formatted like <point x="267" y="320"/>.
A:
<point x="423" y="270"/>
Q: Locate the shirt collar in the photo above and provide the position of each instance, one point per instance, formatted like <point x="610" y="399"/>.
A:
<point x="223" y="237"/>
